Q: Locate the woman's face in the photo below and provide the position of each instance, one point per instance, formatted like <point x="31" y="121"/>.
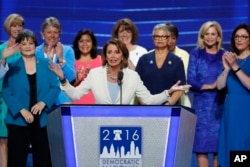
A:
<point x="211" y="37"/>
<point x="161" y="38"/>
<point x="51" y="35"/>
<point x="85" y="44"/>
<point x="114" y="56"/>
<point x="124" y="35"/>
<point x="15" y="30"/>
<point x="172" y="42"/>
<point x="27" y="47"/>
<point x="242" y="40"/>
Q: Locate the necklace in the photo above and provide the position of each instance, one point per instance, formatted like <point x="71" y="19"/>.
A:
<point x="110" y="76"/>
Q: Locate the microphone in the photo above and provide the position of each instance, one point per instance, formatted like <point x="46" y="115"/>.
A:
<point x="120" y="77"/>
<point x="119" y="81"/>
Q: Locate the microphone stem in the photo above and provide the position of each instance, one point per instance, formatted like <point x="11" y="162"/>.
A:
<point x="120" y="94"/>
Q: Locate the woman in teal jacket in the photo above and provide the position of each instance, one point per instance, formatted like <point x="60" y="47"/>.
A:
<point x="29" y="90"/>
<point x="13" y="24"/>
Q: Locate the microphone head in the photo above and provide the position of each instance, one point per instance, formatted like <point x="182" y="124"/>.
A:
<point x="120" y="77"/>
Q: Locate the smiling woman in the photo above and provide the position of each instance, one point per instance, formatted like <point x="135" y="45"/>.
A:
<point x="26" y="120"/>
<point x="87" y="58"/>
<point x="205" y="65"/>
<point x="126" y="30"/>
<point x="9" y="52"/>
<point x="115" y="59"/>
<point x="57" y="52"/>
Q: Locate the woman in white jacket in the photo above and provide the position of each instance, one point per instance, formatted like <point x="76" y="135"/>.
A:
<point x="110" y="88"/>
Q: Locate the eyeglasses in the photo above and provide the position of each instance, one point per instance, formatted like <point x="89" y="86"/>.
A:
<point x="242" y="37"/>
<point x="158" y="37"/>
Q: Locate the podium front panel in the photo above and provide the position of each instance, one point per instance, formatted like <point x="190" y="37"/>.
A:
<point x="117" y="136"/>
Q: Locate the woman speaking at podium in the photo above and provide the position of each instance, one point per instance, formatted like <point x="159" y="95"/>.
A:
<point x="113" y="82"/>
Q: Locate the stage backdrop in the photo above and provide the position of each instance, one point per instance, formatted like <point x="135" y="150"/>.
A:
<point x="100" y="16"/>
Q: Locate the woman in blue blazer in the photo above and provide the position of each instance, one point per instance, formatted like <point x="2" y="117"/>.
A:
<point x="29" y="90"/>
<point x="57" y="52"/>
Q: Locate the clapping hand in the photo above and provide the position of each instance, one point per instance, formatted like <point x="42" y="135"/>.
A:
<point x="59" y="51"/>
<point x="55" y="49"/>
<point x="79" y="75"/>
<point x="229" y="60"/>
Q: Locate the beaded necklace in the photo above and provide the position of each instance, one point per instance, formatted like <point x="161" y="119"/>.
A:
<point x="110" y="76"/>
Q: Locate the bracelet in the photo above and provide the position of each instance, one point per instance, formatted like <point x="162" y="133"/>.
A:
<point x="238" y="69"/>
<point x="62" y="63"/>
<point x="63" y="82"/>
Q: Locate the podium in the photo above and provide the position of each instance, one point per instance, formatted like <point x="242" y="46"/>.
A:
<point x="121" y="136"/>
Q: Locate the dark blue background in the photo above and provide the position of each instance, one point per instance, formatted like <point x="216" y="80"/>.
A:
<point x="100" y="16"/>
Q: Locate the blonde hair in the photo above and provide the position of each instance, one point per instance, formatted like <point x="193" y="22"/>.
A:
<point x="204" y="28"/>
<point x="51" y="21"/>
<point x="12" y="20"/>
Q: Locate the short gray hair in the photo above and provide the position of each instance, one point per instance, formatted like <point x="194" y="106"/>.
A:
<point x="161" y="26"/>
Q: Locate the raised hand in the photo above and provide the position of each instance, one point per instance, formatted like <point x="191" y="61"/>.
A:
<point x="225" y="63"/>
<point x="8" y="51"/>
<point x="230" y="59"/>
<point x="79" y="74"/>
<point x="56" y="69"/>
<point x="87" y="70"/>
<point x="50" y="52"/>
<point x="59" y="51"/>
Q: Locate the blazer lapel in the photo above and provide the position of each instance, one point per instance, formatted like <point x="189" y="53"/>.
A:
<point x="105" y="79"/>
<point x="23" y="75"/>
<point x="39" y="75"/>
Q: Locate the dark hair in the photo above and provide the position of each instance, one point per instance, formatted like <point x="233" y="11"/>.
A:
<point x="93" y="51"/>
<point x="128" y="25"/>
<point x="173" y="29"/>
<point x="26" y="34"/>
<point x="240" y="26"/>
<point x="121" y="47"/>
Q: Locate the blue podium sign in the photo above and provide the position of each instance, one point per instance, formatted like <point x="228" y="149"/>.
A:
<point x="121" y="136"/>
